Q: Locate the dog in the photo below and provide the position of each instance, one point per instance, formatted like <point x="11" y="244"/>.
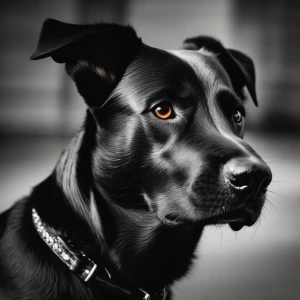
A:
<point x="160" y="156"/>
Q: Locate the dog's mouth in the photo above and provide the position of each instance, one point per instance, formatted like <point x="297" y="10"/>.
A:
<point x="236" y="219"/>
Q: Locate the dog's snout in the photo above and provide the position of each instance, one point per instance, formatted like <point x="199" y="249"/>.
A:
<point x="247" y="175"/>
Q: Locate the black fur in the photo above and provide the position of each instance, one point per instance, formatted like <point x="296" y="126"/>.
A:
<point x="134" y="191"/>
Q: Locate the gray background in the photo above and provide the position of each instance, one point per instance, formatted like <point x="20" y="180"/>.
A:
<point x="40" y="110"/>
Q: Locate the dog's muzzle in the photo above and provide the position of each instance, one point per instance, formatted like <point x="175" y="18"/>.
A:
<point x="238" y="195"/>
<point x="247" y="179"/>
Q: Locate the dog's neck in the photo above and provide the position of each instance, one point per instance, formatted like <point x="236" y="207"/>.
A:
<point x="146" y="251"/>
<point x="132" y="244"/>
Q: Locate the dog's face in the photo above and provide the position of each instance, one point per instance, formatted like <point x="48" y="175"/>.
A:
<point x="170" y="128"/>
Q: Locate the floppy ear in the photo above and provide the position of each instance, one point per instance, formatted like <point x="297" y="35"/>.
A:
<point x="95" y="55"/>
<point x="238" y="65"/>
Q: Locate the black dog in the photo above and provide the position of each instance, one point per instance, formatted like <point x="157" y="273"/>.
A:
<point x="159" y="157"/>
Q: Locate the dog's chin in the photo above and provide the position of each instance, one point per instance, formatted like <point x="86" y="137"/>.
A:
<point x="236" y="218"/>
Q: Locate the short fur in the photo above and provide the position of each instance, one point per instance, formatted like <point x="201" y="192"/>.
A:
<point x="133" y="191"/>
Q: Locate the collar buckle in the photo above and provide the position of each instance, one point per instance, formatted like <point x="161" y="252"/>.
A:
<point x="155" y="296"/>
<point x="146" y="296"/>
<point x="88" y="268"/>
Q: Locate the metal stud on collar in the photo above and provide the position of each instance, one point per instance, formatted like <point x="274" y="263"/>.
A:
<point x="57" y="245"/>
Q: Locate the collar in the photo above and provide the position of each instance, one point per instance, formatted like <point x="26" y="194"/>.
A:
<point x="85" y="268"/>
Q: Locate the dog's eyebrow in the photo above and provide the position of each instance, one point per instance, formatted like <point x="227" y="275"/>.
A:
<point x="172" y="92"/>
<point x="225" y="95"/>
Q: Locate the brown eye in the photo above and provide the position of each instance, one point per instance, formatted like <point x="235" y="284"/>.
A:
<point x="163" y="111"/>
<point x="237" y="117"/>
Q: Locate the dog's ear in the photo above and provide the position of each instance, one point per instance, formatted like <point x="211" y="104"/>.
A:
<point x="238" y="65"/>
<point x="96" y="56"/>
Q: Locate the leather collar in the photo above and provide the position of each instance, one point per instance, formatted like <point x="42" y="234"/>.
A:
<point x="86" y="269"/>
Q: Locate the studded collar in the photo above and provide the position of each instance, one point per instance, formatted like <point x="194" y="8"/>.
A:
<point x="85" y="268"/>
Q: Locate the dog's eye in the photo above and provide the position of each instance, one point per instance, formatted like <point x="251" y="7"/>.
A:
<point x="163" y="111"/>
<point x="237" y="117"/>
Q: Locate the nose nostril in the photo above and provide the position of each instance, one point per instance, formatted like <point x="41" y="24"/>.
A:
<point x="241" y="180"/>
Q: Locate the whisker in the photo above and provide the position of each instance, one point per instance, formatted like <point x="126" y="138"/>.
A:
<point x="272" y="205"/>
<point x="275" y="193"/>
<point x="264" y="215"/>
<point x="267" y="208"/>
<point x="254" y="231"/>
<point x="264" y="158"/>
<point x="273" y="197"/>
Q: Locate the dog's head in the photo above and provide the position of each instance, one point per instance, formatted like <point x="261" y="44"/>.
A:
<point x="169" y="124"/>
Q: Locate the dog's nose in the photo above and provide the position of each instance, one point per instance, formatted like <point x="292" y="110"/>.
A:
<point x="248" y="176"/>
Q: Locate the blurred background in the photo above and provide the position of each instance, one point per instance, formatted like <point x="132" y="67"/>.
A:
<point x="40" y="110"/>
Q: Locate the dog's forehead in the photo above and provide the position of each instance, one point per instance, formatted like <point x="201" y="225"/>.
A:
<point x="156" y="69"/>
<point x="153" y="71"/>
<point x="187" y="73"/>
<point x="205" y="65"/>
